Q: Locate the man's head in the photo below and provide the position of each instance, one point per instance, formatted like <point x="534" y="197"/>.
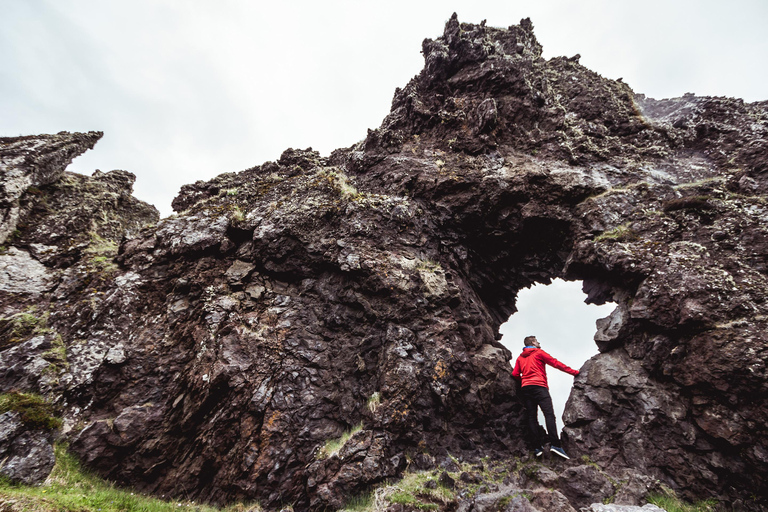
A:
<point x="531" y="341"/>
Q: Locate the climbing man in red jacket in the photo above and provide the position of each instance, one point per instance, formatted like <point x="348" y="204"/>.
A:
<point x="530" y="369"/>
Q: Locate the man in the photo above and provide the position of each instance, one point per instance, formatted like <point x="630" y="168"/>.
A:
<point x="530" y="369"/>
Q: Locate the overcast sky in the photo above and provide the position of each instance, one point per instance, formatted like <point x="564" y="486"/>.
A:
<point x="563" y="324"/>
<point x="187" y="89"/>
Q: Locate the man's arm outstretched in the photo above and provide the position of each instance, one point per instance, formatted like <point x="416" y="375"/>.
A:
<point x="554" y="363"/>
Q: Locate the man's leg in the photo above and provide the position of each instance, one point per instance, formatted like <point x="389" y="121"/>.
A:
<point x="545" y="402"/>
<point x="530" y="402"/>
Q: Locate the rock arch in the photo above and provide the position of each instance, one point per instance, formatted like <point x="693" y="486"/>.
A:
<point x="289" y="302"/>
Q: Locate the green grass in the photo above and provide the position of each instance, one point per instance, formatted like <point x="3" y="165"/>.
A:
<point x="359" y="503"/>
<point x="374" y="401"/>
<point x="415" y="483"/>
<point x="339" y="181"/>
<point x="421" y="490"/>
<point x="72" y="489"/>
<point x="412" y="491"/>
<point x="672" y="503"/>
<point x="618" y="234"/>
<point x="428" y="265"/>
<point x="405" y="498"/>
<point x="332" y="446"/>
<point x="33" y="409"/>
<point x="237" y="214"/>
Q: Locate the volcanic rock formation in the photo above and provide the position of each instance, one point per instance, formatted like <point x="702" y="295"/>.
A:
<point x="216" y="351"/>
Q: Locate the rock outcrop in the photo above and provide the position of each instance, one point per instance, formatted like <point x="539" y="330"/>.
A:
<point x="26" y="452"/>
<point x="219" y="349"/>
<point x="34" y="161"/>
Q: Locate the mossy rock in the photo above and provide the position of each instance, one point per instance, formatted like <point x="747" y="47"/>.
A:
<point x="34" y="410"/>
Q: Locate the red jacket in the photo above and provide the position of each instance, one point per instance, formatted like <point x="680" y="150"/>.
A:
<point x="530" y="367"/>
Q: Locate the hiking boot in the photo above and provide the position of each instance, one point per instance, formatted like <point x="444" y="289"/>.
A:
<point x="538" y="452"/>
<point x="559" y="451"/>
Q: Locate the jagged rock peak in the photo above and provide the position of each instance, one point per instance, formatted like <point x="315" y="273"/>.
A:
<point x="482" y="87"/>
<point x="54" y="218"/>
<point x="34" y="160"/>
<point x="465" y="43"/>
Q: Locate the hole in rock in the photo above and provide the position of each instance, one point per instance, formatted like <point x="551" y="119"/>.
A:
<point x="564" y="325"/>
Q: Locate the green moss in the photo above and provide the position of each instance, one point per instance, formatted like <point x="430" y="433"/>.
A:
<point x="719" y="180"/>
<point x="33" y="409"/>
<point x="621" y="233"/>
<point x="101" y="253"/>
<point x="421" y="490"/>
<point x="22" y="326"/>
<point x="589" y="462"/>
<point x="25" y="324"/>
<point x="56" y="355"/>
<point x="641" y="186"/>
<point x="99" y="246"/>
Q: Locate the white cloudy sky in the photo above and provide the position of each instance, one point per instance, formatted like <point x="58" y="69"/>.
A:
<point x="563" y="324"/>
<point x="187" y="89"/>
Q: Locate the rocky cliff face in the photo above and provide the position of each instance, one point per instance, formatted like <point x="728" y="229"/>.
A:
<point x="216" y="351"/>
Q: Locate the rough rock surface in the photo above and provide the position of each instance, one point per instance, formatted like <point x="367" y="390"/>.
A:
<point x="285" y="304"/>
<point x="26" y="455"/>
<point x="34" y="161"/>
<point x="599" y="507"/>
<point x="522" y="484"/>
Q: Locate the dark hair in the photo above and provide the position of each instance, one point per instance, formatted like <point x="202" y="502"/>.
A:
<point x="529" y="340"/>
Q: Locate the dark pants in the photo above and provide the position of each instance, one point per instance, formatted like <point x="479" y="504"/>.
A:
<point x="533" y="398"/>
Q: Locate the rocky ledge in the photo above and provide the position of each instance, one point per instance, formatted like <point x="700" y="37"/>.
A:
<point x="212" y="354"/>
